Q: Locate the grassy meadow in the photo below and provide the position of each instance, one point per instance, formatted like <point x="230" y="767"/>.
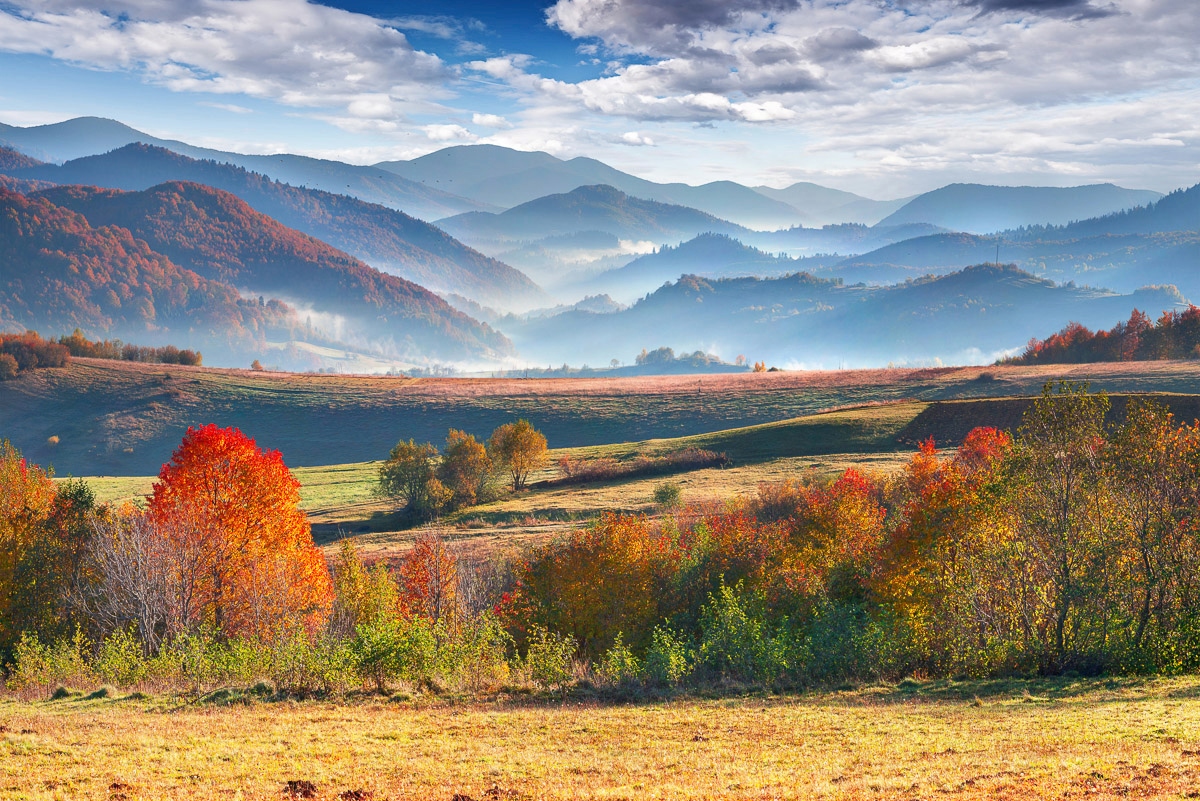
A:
<point x="107" y="418"/>
<point x="1102" y="739"/>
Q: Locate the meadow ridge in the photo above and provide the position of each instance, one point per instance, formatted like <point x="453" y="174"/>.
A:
<point x="1020" y="740"/>
<point x="123" y="418"/>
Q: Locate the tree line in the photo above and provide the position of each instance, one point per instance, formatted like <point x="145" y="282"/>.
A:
<point x="1174" y="335"/>
<point x="1073" y="545"/>
<point x="23" y="352"/>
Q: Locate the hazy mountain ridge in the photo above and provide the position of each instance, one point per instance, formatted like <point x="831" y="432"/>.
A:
<point x="89" y="136"/>
<point x="981" y="209"/>
<point x="384" y="237"/>
<point x="707" y="255"/>
<point x="1155" y="244"/>
<point x="588" y="208"/>
<point x="503" y="177"/>
<point x="802" y="319"/>
<point x="222" y="238"/>
<point x="105" y="281"/>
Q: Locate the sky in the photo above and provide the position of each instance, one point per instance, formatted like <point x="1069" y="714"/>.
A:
<point x="886" y="98"/>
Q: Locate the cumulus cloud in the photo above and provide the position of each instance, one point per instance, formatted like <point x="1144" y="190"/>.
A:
<point x="662" y="25"/>
<point x="295" y="52"/>
<point x="636" y="139"/>
<point x="490" y="121"/>
<point x="448" y="133"/>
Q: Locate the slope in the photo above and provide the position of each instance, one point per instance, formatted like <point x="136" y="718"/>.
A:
<point x="969" y="316"/>
<point x="708" y="255"/>
<point x="976" y="208"/>
<point x="385" y="238"/>
<point x="503" y="177"/>
<point x="588" y="208"/>
<point x="89" y="136"/>
<point x="222" y="238"/>
<point x="62" y="273"/>
<point x="820" y="205"/>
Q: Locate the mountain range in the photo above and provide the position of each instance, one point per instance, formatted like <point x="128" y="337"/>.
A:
<point x="205" y="249"/>
<point x="600" y="208"/>
<point x="90" y="136"/>
<point x="800" y="320"/>
<point x="383" y="237"/>
<point x="154" y="240"/>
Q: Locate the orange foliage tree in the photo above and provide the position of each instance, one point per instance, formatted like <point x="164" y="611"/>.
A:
<point x="246" y="560"/>
<point x="27" y="497"/>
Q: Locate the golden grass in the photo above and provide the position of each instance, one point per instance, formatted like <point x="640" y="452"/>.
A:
<point x="1042" y="740"/>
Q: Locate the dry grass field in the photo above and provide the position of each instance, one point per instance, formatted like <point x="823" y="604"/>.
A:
<point x="1050" y="739"/>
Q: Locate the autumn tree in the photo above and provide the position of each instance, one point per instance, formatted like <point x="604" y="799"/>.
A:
<point x="429" y="578"/>
<point x="465" y="470"/>
<point x="1150" y="468"/>
<point x="245" y="554"/>
<point x="27" y="497"/>
<point x="1060" y="507"/>
<point x="409" y="477"/>
<point x="518" y="448"/>
<point x="363" y="594"/>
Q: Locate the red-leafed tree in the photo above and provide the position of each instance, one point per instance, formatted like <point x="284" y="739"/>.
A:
<point x="245" y="559"/>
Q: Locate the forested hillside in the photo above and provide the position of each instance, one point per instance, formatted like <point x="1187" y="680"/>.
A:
<point x="221" y="237"/>
<point x="62" y="273"/>
<point x="387" y="239"/>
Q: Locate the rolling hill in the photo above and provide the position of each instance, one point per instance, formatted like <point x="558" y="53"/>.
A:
<point x="969" y="316"/>
<point x="1155" y="244"/>
<point x="588" y="208"/>
<point x="707" y="255"/>
<point x="979" y="209"/>
<point x="503" y="177"/>
<point x="383" y="237"/>
<point x="222" y="238"/>
<point x="89" y="136"/>
<point x="60" y="273"/>
<point x="820" y="205"/>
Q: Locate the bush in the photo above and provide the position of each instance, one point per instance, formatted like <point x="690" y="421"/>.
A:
<point x="8" y="367"/>
<point x="121" y="660"/>
<point x="475" y="656"/>
<point x="548" y="659"/>
<point x="668" y="495"/>
<point x="394" y="649"/>
<point x="735" y="641"/>
<point x="619" y="665"/>
<point x="668" y="659"/>
<point x="41" y="665"/>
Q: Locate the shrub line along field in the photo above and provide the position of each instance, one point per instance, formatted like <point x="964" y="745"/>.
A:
<point x="123" y="419"/>
<point x="1021" y="740"/>
<point x="341" y="500"/>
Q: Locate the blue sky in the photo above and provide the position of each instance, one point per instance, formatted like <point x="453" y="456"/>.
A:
<point x="882" y="97"/>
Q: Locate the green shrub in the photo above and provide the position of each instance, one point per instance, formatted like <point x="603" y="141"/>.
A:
<point x="389" y="649"/>
<point x="668" y="659"/>
<point x="735" y="640"/>
<point x="37" y="664"/>
<point x="474" y="656"/>
<point x="121" y="660"/>
<point x="548" y="658"/>
<point x="668" y="495"/>
<point x="618" y="665"/>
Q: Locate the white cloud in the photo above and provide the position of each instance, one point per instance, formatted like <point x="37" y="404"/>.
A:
<point x="490" y="121"/>
<point x="232" y="108"/>
<point x="448" y="133"/>
<point x="292" y="51"/>
<point x="636" y="139"/>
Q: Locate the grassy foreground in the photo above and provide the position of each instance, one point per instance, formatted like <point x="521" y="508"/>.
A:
<point x="1011" y="740"/>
